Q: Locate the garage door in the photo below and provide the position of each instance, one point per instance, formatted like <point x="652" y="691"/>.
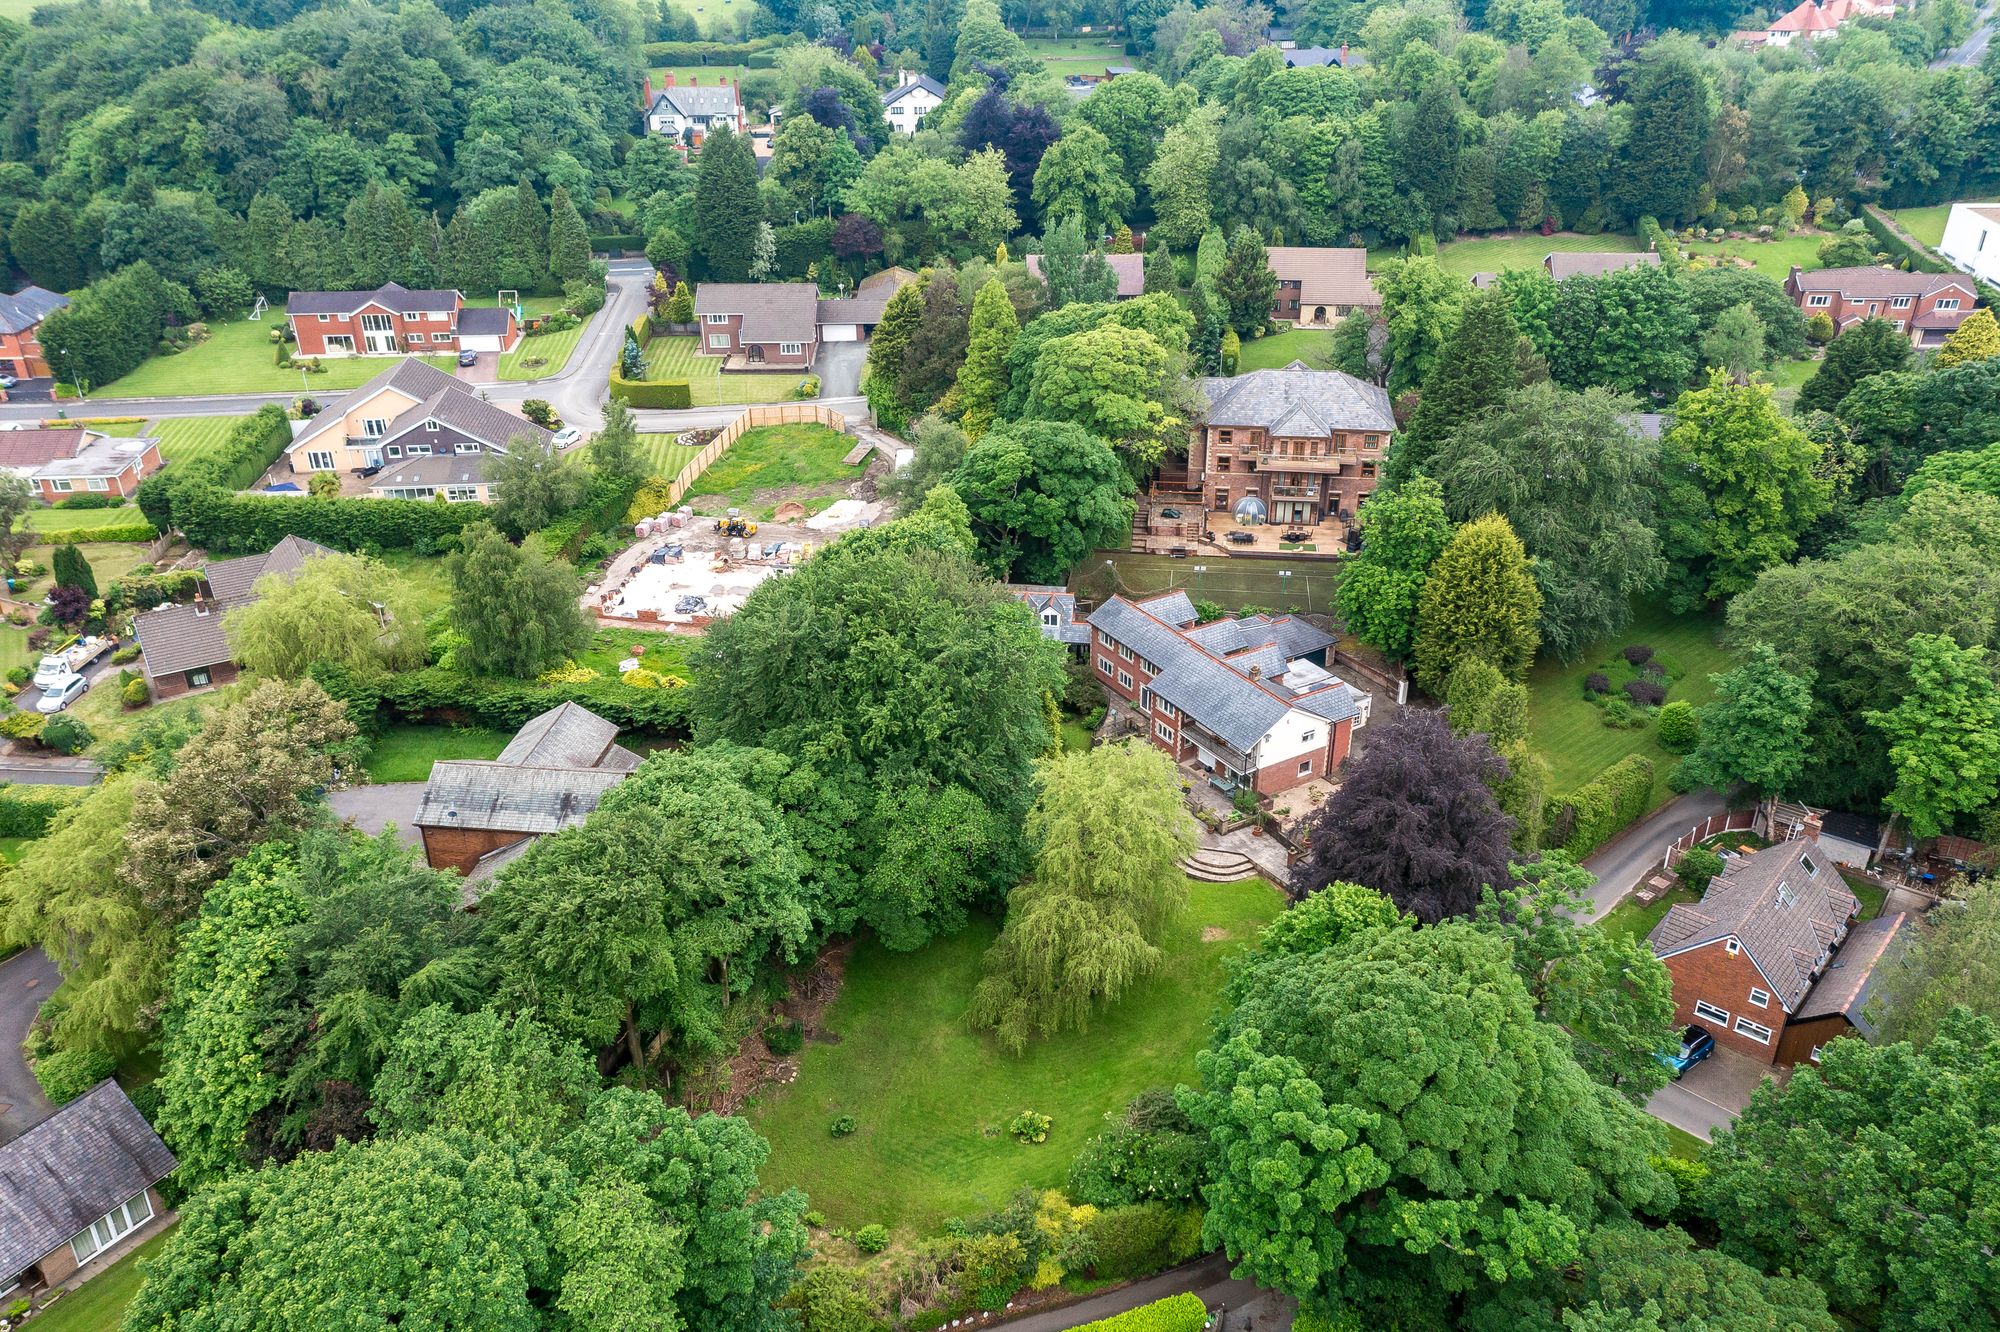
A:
<point x="840" y="332"/>
<point x="473" y="342"/>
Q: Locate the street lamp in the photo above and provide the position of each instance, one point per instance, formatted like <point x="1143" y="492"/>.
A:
<point x="74" y="377"/>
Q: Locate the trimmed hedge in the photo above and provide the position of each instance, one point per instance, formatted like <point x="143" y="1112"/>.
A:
<point x="701" y="53"/>
<point x="68" y="1074"/>
<point x="620" y="241"/>
<point x="1919" y="260"/>
<point x="438" y="693"/>
<point x="122" y="532"/>
<point x="253" y="444"/>
<point x="1177" y="1313"/>
<point x="30" y="815"/>
<point x="221" y="520"/>
<point x="1592" y="814"/>
<point x="669" y="393"/>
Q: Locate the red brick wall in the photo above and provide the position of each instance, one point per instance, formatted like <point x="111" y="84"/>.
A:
<point x="311" y="332"/>
<point x="772" y="356"/>
<point x="24" y="352"/>
<point x="175" y="684"/>
<point x="461" y="848"/>
<point x="1710" y="973"/>
<point x="705" y="330"/>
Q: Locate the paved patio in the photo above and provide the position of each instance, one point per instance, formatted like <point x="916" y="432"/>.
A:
<point x="373" y="808"/>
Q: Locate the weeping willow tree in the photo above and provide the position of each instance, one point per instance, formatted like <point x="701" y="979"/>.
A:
<point x="1106" y="890"/>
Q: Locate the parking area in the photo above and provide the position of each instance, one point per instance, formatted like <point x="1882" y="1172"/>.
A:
<point x="1712" y="1094"/>
<point x="485" y="370"/>
<point x="839" y="366"/>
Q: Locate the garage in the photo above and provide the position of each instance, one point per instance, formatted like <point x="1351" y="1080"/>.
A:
<point x="487" y="328"/>
<point x="840" y="332"/>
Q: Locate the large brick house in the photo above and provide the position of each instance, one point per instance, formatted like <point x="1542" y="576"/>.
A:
<point x="1318" y="284"/>
<point x="1249" y="701"/>
<point x="77" y="1193"/>
<point x="479" y="813"/>
<point x="688" y="111"/>
<point x="392" y="320"/>
<point x="1925" y="307"/>
<point x="61" y="461"/>
<point x="775" y="324"/>
<point x="1294" y="447"/>
<point x="1769" y="960"/>
<point x="21" y="316"/>
<point x="182" y="645"/>
<point x="412" y="432"/>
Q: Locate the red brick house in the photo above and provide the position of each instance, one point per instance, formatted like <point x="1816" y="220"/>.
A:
<point x="61" y="461"/>
<point x="183" y="647"/>
<point x="774" y="324"/>
<point x="1249" y="701"/>
<point x="1925" y="307"/>
<point x="688" y="111"/>
<point x="1757" y="955"/>
<point x="1319" y="284"/>
<point x="392" y="320"/>
<point x="21" y="317"/>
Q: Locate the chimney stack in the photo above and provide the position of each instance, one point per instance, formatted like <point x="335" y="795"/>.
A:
<point x="647" y="104"/>
<point x="670" y="79"/>
<point x="1343" y="55"/>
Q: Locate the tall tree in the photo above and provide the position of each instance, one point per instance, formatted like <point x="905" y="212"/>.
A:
<point x="614" y="449"/>
<point x="1080" y="176"/>
<point x="345" y="609"/>
<point x="1182" y="176"/>
<point x="1757" y="730"/>
<point x="1061" y="261"/>
<point x="1871" y="347"/>
<point x="1113" y="381"/>
<point x="1414" y="819"/>
<point x="982" y="380"/>
<point x="526" y="261"/>
<point x="1476" y="370"/>
<point x="1944" y="736"/>
<point x="534" y="486"/>
<point x="69" y="568"/>
<point x="1480" y="600"/>
<point x="1403" y="531"/>
<point x="725" y="205"/>
<point x="569" y="244"/>
<point x="1673" y="106"/>
<point x="1042" y="495"/>
<point x="1246" y="284"/>
<point x="1420" y="305"/>
<point x="1977" y="339"/>
<point x="1955" y="963"/>
<point x="516" y="607"/>
<point x="1637" y="1278"/>
<point x="1106" y="890"/>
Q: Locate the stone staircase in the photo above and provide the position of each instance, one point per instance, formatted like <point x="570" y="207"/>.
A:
<point x="1213" y="866"/>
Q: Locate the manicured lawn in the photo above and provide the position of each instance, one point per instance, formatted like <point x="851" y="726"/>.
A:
<point x="676" y="358"/>
<point x="1314" y="346"/>
<point x="1064" y="56"/>
<point x="51" y="519"/>
<point x="14" y="650"/>
<point x="1683" y="1144"/>
<point x="1495" y="254"/>
<point x="931" y="1097"/>
<point x="1926" y="224"/>
<point x="1773" y="258"/>
<point x="108" y="718"/>
<point x="405" y="753"/>
<point x="121" y="429"/>
<point x="1635" y="920"/>
<point x="1872" y="895"/>
<point x="108" y="560"/>
<point x="771" y="457"/>
<point x="664" y="654"/>
<point x="1791" y="374"/>
<point x="99" y="1304"/>
<point x="185" y="438"/>
<point x="1075" y="737"/>
<point x="238" y="358"/>
<point x="542" y="354"/>
<point x="1569" y="731"/>
<point x="665" y="453"/>
<point x="705" y="74"/>
<point x="1306" y="586"/>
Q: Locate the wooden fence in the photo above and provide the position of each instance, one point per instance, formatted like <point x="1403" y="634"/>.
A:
<point x="1736" y="820"/>
<point x="784" y="413"/>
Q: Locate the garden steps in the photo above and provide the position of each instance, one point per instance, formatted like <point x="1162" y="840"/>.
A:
<point x="1211" y="866"/>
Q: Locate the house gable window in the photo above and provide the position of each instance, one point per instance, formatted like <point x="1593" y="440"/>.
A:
<point x="1731" y="947"/>
<point x="319" y="460"/>
<point x="1756" y="1031"/>
<point x="1819" y="301"/>
<point x="374" y="427"/>
<point x="1704" y="1009"/>
<point x="1946" y="303"/>
<point x="1761" y="998"/>
<point x="1305" y="767"/>
<point x="715" y="319"/>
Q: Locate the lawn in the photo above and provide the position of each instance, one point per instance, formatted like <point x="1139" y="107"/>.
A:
<point x="1871" y="895"/>
<point x="1683" y="1144"/>
<point x="1773" y="258"/>
<point x="99" y="1304"/>
<point x="1791" y="374"/>
<point x="676" y="358"/>
<point x="705" y="74"/>
<point x="932" y="1098"/>
<point x="108" y="560"/>
<point x="666" y="454"/>
<point x="405" y="753"/>
<point x="1494" y="254"/>
<point x="1635" y="920"/>
<point x="542" y="354"/>
<point x="664" y="654"/>
<point x="1307" y="586"/>
<point x="14" y="650"/>
<point x="48" y="518"/>
<point x="1314" y="346"/>
<point x="185" y="438"/>
<point x="1064" y="56"/>
<point x="1926" y="224"/>
<point x="238" y="358"/>
<point x="770" y="458"/>
<point x="1569" y="731"/>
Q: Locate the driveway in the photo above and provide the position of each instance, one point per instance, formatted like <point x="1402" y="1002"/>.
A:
<point x="484" y="370"/>
<point x="49" y="770"/>
<point x="1620" y="865"/>
<point x="1710" y="1095"/>
<point x="373" y="808"/>
<point x="1244" y="1308"/>
<point x="838" y="366"/>
<point x="95" y="672"/>
<point x="33" y="390"/>
<point x="25" y="981"/>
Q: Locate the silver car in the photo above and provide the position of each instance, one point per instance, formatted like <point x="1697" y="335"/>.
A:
<point x="62" y="693"/>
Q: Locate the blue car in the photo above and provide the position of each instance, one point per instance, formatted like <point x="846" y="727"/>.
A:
<point x="1696" y="1045"/>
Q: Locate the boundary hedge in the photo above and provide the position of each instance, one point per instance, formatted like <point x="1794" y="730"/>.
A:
<point x="617" y="241"/>
<point x="122" y="532"/>
<point x="221" y="520"/>
<point x="1919" y="259"/>
<point x="704" y="52"/>
<point x="668" y="393"/>
<point x="30" y="815"/>
<point x="1592" y="814"/>
<point x="252" y="445"/>
<point x="1176" y="1313"/>
<point x="440" y="694"/>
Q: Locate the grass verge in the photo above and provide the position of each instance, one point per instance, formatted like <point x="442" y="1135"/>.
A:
<point x="99" y="1304"/>
<point x="932" y="1097"/>
<point x="238" y="358"/>
<point x="677" y="358"/>
<point x="541" y="355"/>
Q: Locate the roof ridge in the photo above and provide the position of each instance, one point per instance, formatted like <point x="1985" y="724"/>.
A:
<point x="1219" y="661"/>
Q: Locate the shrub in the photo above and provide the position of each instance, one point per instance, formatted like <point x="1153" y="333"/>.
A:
<point x="1690" y="1181"/>
<point x="128" y="653"/>
<point x="1618" y="714"/>
<point x="223" y="521"/>
<point x="667" y="393"/>
<point x="25" y="815"/>
<point x="135" y="694"/>
<point x="68" y="1074"/>
<point x="1596" y="683"/>
<point x="1638" y="652"/>
<point x="246" y="454"/>
<point x="1654" y="669"/>
<point x="22" y="725"/>
<point x="1588" y="816"/>
<point x="807" y="388"/>
<point x="1177" y="1313"/>
<point x="651" y="499"/>
<point x="120" y="532"/>
<point x="785" y="1038"/>
<point x="66" y="734"/>
<point x="1679" y="727"/>
<point x="506" y="704"/>
<point x="842" y="1126"/>
<point x="872" y="1238"/>
<point x="88" y="501"/>
<point x="19" y="676"/>
<point x="1646" y="693"/>
<point x="1030" y="1127"/>
<point x="1133" y="1241"/>
<point x="1696" y="867"/>
<point x="540" y="412"/>
<point x="814" y="1218"/>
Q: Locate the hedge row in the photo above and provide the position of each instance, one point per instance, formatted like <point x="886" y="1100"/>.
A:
<point x="121" y="532"/>
<point x="30" y="815"/>
<point x="221" y="520"/>
<point x="722" y="53"/>
<point x="1916" y="259"/>
<point x="670" y="393"/>
<point x="438" y="693"/>
<point x="1177" y="1313"/>
<point x="1592" y="814"/>
<point x="252" y="445"/>
<point x="608" y="244"/>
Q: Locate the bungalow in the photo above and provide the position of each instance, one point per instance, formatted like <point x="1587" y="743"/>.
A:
<point x="1318" y="284"/>
<point x="1055" y="610"/>
<point x="393" y="429"/>
<point x="688" y="111"/>
<point x="21" y="317"/>
<point x="60" y="461"/>
<point x="477" y="814"/>
<point x="775" y="324"/>
<point x="1752" y="961"/>
<point x="914" y="97"/>
<point x="1924" y="306"/>
<point x="78" y="1191"/>
<point x="182" y="646"/>
<point x="392" y="320"/>
<point x="1562" y="265"/>
<point x="1130" y="270"/>
<point x="1249" y="701"/>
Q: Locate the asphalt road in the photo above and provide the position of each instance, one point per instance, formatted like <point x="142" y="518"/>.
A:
<point x="1621" y="865"/>
<point x="1688" y="1110"/>
<point x="49" y="772"/>
<point x="1973" y="49"/>
<point x="25" y="981"/>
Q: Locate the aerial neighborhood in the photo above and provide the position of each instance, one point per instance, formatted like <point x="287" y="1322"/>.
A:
<point x="744" y="667"/>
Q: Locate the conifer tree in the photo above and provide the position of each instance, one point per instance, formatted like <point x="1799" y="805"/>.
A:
<point x="725" y="205"/>
<point x="569" y="245"/>
<point x="1476" y="370"/>
<point x="527" y="260"/>
<point x="69" y="568"/>
<point x="1160" y="274"/>
<point x="1479" y="600"/>
<point x="982" y="379"/>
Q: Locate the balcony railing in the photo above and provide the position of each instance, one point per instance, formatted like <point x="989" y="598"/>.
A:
<point x="1295" y="492"/>
<point x="1285" y="462"/>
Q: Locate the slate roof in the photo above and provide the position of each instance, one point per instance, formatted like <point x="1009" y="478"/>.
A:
<point x="1868" y="282"/>
<point x="1595" y="263"/>
<point x="1783" y="917"/>
<point x="1129" y="269"/>
<point x="437" y="469"/>
<point x="445" y="397"/>
<point x="390" y="296"/>
<point x="772" y="311"/>
<point x="175" y="637"/>
<point x="549" y="777"/>
<point x="698" y="99"/>
<point x="72" y="1168"/>
<point x="1326" y="274"/>
<point x="101" y="455"/>
<point x="483" y="321"/>
<point x="232" y="580"/>
<point x="853" y="310"/>
<point x="1038" y="598"/>
<point x="568" y="736"/>
<point x="1206" y="672"/>
<point x="892" y="278"/>
<point x="39" y="445"/>
<point x="1298" y="400"/>
<point x="1312" y="57"/>
<point x="921" y="81"/>
<point x="29" y="306"/>
<point x="1849" y="979"/>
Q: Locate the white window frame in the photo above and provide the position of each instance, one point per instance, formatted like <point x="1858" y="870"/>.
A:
<point x="715" y="319"/>
<point x="1704" y="1009"/>
<point x="374" y="427"/>
<point x="1305" y="767"/>
<point x="97" y="483"/>
<point x="1816" y="1052"/>
<point x="200" y="678"/>
<point x="1946" y="304"/>
<point x="60" y="483"/>
<point x="394" y="451"/>
<point x="319" y="460"/>
<point x="1124" y="679"/>
<point x="462" y="494"/>
<point x="1819" y="302"/>
<point x="1731" y="947"/>
<point x="1309" y="736"/>
<point x="1104" y="665"/>
<point x="718" y="342"/>
<point x="1126" y="653"/>
<point x="1164" y="731"/>
<point x="113" y="1226"/>
<point x="441" y="337"/>
<point x="1761" y="998"/>
<point x="1745" y="1027"/>
<point x="326" y="319"/>
<point x="791" y="349"/>
<point x="1807" y="863"/>
<point x="1900" y="303"/>
<point x="465" y="446"/>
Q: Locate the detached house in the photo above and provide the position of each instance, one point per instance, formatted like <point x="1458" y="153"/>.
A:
<point x="77" y="1193"/>
<point x="412" y="432"/>
<point x="1249" y="701"/>
<point x="1129" y="269"/>
<point x="1925" y="307"/>
<point x="688" y="111"/>
<point x="1972" y="240"/>
<point x="61" y="461"/>
<point x="392" y="320"/>
<point x="182" y="647"/>
<point x="1769" y="960"/>
<point x="21" y="317"/>
<point x="772" y="324"/>
<point x="1055" y="611"/>
<point x="914" y="97"/>
<point x="1320" y="284"/>
<point x="1562" y="265"/>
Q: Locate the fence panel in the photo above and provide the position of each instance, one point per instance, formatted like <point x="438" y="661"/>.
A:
<point x="751" y="418"/>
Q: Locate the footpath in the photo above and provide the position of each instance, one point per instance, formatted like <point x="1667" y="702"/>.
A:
<point x="1243" y="1306"/>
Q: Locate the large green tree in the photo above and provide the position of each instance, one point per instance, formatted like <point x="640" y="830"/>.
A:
<point x="1673" y="105"/>
<point x="1476" y="371"/>
<point x="1944" y="736"/>
<point x="1114" y="382"/>
<point x="1645" y="1280"/>
<point x="982" y="379"/>
<point x="516" y="608"/>
<point x="533" y="486"/>
<point x="1871" y="347"/>
<point x="1480" y="600"/>
<point x="725" y="205"/>
<point x="1402" y="532"/>
<point x="1954" y="963"/>
<point x="1420" y="304"/>
<point x="1757" y="729"/>
<point x="1246" y="284"/>
<point x="1042" y="495"/>
<point x="336" y="608"/>
<point x="1081" y="176"/>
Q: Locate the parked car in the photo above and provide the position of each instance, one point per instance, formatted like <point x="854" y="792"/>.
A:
<point x="1696" y="1045"/>
<point x="568" y="437"/>
<point x="468" y="358"/>
<point x="8" y="381"/>
<point x="62" y="693"/>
